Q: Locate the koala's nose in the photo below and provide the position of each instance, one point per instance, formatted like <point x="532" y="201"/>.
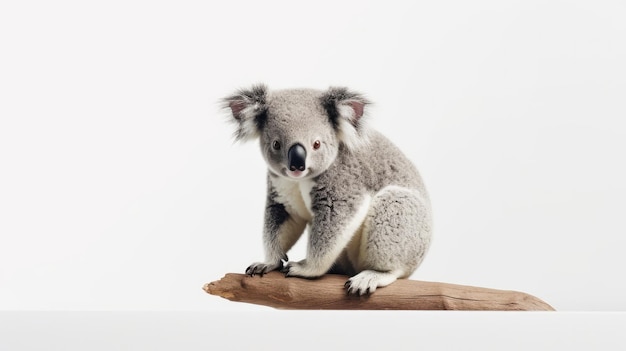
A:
<point x="297" y="157"/>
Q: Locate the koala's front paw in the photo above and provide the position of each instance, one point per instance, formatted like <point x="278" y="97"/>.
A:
<point x="261" y="268"/>
<point x="359" y="287"/>
<point x="366" y="282"/>
<point x="294" y="269"/>
<point x="300" y="269"/>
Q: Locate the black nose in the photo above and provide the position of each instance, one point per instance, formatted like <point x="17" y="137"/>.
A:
<point x="297" y="157"/>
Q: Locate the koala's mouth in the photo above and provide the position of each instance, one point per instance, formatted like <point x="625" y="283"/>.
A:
<point x="296" y="174"/>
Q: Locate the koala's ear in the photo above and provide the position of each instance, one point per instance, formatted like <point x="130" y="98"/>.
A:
<point x="249" y="111"/>
<point x="346" y="110"/>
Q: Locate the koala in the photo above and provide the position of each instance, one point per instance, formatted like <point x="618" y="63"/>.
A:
<point x="365" y="204"/>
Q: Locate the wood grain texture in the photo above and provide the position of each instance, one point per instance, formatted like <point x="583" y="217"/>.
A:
<point x="328" y="293"/>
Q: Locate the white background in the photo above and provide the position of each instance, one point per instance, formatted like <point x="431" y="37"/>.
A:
<point x="121" y="187"/>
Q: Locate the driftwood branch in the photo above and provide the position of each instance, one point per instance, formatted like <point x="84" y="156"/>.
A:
<point x="328" y="293"/>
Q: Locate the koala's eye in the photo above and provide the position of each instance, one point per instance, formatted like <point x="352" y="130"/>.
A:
<point x="316" y="144"/>
<point x="276" y="145"/>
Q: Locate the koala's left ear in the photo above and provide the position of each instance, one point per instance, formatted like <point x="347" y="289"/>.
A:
<point x="249" y="111"/>
<point x="346" y="110"/>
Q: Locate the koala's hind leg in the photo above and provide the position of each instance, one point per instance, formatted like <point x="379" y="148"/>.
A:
<point x="396" y="236"/>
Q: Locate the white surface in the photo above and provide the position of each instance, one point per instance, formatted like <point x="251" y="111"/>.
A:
<point x="310" y="330"/>
<point x="120" y="188"/>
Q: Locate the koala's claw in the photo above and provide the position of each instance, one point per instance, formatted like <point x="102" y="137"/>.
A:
<point x="299" y="269"/>
<point x="287" y="269"/>
<point x="261" y="268"/>
<point x="356" y="289"/>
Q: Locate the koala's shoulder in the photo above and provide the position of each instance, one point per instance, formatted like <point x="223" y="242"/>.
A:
<point x="374" y="164"/>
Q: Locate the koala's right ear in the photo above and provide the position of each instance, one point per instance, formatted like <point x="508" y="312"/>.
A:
<point x="346" y="109"/>
<point x="249" y="111"/>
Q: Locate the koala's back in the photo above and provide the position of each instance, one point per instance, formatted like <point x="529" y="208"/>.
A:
<point x="373" y="166"/>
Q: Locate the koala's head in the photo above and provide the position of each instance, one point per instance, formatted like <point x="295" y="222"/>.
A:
<point x="300" y="130"/>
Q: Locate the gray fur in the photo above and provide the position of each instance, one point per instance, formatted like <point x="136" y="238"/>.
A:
<point x="364" y="202"/>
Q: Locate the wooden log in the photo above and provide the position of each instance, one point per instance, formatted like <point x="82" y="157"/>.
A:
<point x="328" y="293"/>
